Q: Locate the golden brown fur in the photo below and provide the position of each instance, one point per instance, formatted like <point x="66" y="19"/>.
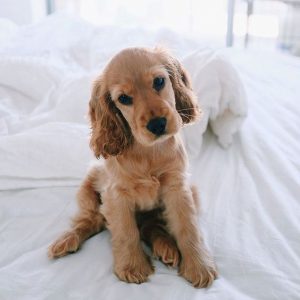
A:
<point x="141" y="192"/>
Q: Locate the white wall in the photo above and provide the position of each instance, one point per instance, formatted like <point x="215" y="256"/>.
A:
<point x="290" y="28"/>
<point x="23" y="11"/>
<point x="205" y="17"/>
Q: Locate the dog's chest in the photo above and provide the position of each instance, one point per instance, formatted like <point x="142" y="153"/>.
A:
<point x="140" y="177"/>
<point x="141" y="181"/>
<point x="145" y="192"/>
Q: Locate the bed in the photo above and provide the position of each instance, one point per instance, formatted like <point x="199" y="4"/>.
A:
<point x="249" y="191"/>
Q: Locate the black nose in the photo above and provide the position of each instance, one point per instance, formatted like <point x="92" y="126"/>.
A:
<point x="157" y="125"/>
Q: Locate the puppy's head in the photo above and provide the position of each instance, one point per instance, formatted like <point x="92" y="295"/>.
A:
<point x="143" y="95"/>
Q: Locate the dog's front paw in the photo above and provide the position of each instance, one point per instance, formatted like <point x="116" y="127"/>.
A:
<point x="166" y="250"/>
<point x="199" y="273"/>
<point x="67" y="243"/>
<point x="135" y="271"/>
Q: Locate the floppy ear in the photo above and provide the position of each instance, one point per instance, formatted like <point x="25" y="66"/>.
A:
<point x="186" y="101"/>
<point x="111" y="134"/>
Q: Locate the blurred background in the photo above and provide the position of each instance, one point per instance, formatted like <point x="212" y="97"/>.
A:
<point x="257" y="24"/>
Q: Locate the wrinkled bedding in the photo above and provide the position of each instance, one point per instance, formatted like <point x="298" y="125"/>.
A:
<point x="247" y="173"/>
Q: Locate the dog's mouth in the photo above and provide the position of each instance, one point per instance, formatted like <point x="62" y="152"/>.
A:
<point x="161" y="136"/>
<point x="148" y="139"/>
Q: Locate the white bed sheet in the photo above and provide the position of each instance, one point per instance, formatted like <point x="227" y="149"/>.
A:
<point x="249" y="192"/>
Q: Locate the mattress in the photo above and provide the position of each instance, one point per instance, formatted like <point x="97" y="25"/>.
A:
<point x="250" y="207"/>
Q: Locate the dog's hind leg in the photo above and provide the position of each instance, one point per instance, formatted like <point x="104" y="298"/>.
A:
<point x="86" y="223"/>
<point x="154" y="233"/>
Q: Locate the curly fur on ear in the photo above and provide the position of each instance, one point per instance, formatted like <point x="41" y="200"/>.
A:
<point x="111" y="134"/>
<point x="186" y="101"/>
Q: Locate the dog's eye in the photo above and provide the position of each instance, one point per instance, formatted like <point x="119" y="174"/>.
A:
<point x="125" y="99"/>
<point x="158" y="83"/>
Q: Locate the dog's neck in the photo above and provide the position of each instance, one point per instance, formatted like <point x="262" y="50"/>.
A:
<point x="140" y="160"/>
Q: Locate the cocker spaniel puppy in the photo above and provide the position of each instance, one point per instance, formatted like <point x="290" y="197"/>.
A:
<point x="137" y="108"/>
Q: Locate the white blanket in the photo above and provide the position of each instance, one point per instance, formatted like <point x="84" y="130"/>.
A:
<point x="221" y="96"/>
<point x="250" y="191"/>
